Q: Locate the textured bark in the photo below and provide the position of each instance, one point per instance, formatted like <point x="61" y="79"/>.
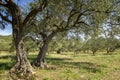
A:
<point x="40" y="60"/>
<point x="22" y="66"/>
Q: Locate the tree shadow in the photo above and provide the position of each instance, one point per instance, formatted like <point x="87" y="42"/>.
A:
<point x="87" y="66"/>
<point x="59" y="62"/>
<point x="32" y="57"/>
<point x="7" y="56"/>
<point x="68" y="63"/>
<point x="6" y="65"/>
<point x="58" y="59"/>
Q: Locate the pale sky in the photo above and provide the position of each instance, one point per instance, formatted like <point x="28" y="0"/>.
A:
<point x="8" y="30"/>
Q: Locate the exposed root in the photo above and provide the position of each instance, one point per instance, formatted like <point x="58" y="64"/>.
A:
<point x="40" y="64"/>
<point x="21" y="71"/>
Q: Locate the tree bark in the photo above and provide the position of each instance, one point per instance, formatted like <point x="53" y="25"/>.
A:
<point x="22" y="66"/>
<point x="40" y="60"/>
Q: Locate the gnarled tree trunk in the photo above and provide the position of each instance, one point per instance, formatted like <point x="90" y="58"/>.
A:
<point x="40" y="60"/>
<point x="22" y="65"/>
<point x="19" y="25"/>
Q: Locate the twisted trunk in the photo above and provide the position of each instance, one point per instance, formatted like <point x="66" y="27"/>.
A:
<point x="19" y="25"/>
<point x="40" y="60"/>
<point x="22" y="66"/>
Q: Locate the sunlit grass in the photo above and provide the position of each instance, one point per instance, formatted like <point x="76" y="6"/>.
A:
<point x="67" y="66"/>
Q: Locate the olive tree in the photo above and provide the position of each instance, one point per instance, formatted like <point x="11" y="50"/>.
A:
<point x="11" y="13"/>
<point x="60" y="16"/>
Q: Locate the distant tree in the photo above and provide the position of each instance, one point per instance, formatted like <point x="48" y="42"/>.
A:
<point x="95" y="45"/>
<point x="86" y="47"/>
<point x="111" y="42"/>
<point x="74" y="41"/>
<point x="111" y="30"/>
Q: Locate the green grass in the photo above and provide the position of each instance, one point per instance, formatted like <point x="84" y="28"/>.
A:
<point x="70" y="67"/>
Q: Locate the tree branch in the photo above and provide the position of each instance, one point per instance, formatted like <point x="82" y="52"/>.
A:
<point x="82" y="22"/>
<point x="3" y="4"/>
<point x="110" y="23"/>
<point x="5" y="18"/>
<point x="77" y="19"/>
<point x="9" y="1"/>
<point x="34" y="12"/>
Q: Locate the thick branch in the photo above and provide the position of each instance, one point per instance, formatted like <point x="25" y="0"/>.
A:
<point x="72" y="13"/>
<point x="62" y="29"/>
<point x="52" y="35"/>
<point x="34" y="12"/>
<point x="3" y="4"/>
<point x="43" y="34"/>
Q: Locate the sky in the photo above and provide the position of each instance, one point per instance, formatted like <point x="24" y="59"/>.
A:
<point x="8" y="29"/>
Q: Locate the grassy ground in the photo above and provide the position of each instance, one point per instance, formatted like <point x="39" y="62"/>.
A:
<point x="70" y="67"/>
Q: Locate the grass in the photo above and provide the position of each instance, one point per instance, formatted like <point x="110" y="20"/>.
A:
<point x="70" y="67"/>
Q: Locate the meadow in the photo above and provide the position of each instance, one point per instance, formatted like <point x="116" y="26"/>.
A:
<point x="68" y="66"/>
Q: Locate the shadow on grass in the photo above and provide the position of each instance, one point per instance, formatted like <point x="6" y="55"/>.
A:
<point x="5" y="66"/>
<point x="68" y="63"/>
<point x="6" y="62"/>
<point x="32" y="57"/>
<point x="60" y="62"/>
<point x="6" y="57"/>
<point x="58" y="59"/>
<point x="87" y="66"/>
